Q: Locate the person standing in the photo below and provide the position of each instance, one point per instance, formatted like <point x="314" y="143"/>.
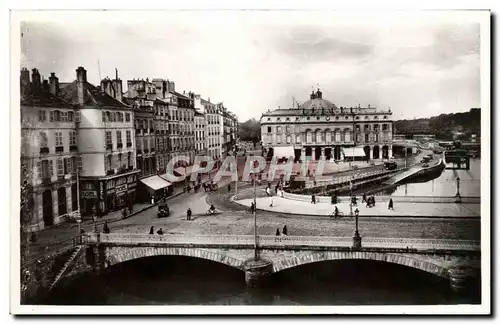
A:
<point x="229" y="188"/>
<point x="188" y="214"/>
<point x="391" y="204"/>
<point x="364" y="198"/>
<point x="313" y="199"/>
<point x="277" y="232"/>
<point x="105" y="228"/>
<point x="160" y="231"/>
<point x="285" y="230"/>
<point x="152" y="230"/>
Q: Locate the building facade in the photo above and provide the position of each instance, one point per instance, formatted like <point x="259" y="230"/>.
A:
<point x="200" y="126"/>
<point x="213" y="129"/>
<point x="318" y="129"/>
<point x="49" y="152"/>
<point x="106" y="144"/>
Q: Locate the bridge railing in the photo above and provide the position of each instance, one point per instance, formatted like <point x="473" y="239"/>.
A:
<point x="279" y="241"/>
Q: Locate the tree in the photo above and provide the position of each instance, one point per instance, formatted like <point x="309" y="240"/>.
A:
<point x="249" y="130"/>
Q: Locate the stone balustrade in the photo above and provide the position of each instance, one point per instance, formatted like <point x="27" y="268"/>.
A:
<point x="396" y="199"/>
<point x="279" y="241"/>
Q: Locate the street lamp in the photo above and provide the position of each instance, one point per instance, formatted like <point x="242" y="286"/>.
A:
<point x="356" y="240"/>
<point x="256" y="255"/>
<point x="458" y="198"/>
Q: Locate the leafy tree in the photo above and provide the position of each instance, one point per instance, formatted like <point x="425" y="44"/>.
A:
<point x="249" y="130"/>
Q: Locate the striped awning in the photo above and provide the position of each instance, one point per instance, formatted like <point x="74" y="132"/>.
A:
<point x="354" y="151"/>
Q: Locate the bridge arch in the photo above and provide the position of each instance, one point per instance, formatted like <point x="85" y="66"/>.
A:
<point x="395" y="258"/>
<point x="116" y="255"/>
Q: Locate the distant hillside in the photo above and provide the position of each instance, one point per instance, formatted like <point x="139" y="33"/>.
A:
<point x="444" y="126"/>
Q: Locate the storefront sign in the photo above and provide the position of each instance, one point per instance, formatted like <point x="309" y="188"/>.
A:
<point x="89" y="194"/>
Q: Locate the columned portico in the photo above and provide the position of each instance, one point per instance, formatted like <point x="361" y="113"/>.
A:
<point x="322" y="153"/>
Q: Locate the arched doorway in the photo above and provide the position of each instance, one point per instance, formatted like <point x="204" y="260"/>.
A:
<point x="376" y="152"/>
<point x="48" y="218"/>
<point x="367" y="151"/>
<point x="309" y="151"/>
<point x="61" y="201"/>
<point x="337" y="153"/>
<point x="328" y="153"/>
<point x="385" y="152"/>
<point x="317" y="153"/>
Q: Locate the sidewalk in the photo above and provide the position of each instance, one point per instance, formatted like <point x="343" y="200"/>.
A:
<point x="401" y="209"/>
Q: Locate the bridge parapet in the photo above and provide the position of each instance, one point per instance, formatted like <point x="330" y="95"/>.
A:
<point x="303" y="242"/>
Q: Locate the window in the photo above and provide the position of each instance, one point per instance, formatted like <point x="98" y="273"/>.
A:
<point x="288" y="129"/>
<point x="128" y="137"/>
<point x="127" y="117"/>
<point x="42" y="115"/>
<point x="385" y="117"/>
<point x="107" y="162"/>
<point x="46" y="171"/>
<point x="288" y="139"/>
<point x="119" y="164"/>
<point x="376" y="117"/>
<point x="64" y="116"/>
<point x="67" y="166"/>
<point x="60" y="168"/>
<point x="108" y="138"/>
<point x="346" y="117"/>
<point x="103" y="117"/>
<point x="357" y="117"/>
<point x="278" y="130"/>
<point x="366" y="117"/>
<point x="59" y="141"/>
<point x="318" y="118"/>
<point x="268" y="119"/>
<point x="119" y="137"/>
<point x="71" y="116"/>
<point x="57" y="115"/>
<point x="72" y="138"/>
<point x="43" y="139"/>
<point x="52" y="117"/>
<point x="337" y="118"/>
<point x="269" y="130"/>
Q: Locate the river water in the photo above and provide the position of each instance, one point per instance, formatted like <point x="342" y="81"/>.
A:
<point x="174" y="280"/>
<point x="188" y="281"/>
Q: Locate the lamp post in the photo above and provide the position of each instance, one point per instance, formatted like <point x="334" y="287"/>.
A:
<point x="256" y="255"/>
<point x="356" y="240"/>
<point x="458" y="198"/>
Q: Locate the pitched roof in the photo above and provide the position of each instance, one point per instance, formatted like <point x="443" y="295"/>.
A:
<point x="95" y="97"/>
<point x="180" y="95"/>
<point x="203" y="101"/>
<point x="43" y="99"/>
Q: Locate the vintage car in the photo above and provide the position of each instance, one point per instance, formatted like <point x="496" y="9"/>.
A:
<point x="163" y="210"/>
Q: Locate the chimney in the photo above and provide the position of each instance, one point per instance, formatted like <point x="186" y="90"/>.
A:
<point x="45" y="86"/>
<point x="118" y="88"/>
<point x="25" y="81"/>
<point x="81" y="85"/>
<point x="171" y="86"/>
<point x="35" y="81"/>
<point x="54" y="84"/>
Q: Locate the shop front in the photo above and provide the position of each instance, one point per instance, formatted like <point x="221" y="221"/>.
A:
<point x="119" y="192"/>
<point x="153" y="187"/>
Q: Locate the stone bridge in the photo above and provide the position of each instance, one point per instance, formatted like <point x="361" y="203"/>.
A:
<point x="452" y="259"/>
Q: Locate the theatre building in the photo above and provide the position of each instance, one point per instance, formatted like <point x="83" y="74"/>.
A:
<point x="318" y="129"/>
<point x="106" y="144"/>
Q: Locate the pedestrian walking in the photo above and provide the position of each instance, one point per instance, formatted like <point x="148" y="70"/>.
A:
<point x="188" y="214"/>
<point x="364" y="198"/>
<point x="268" y="192"/>
<point x="152" y="230"/>
<point x="152" y="200"/>
<point x="373" y="201"/>
<point x="277" y="232"/>
<point x="271" y="202"/>
<point x="105" y="228"/>
<point x="160" y="231"/>
<point x="285" y="230"/>
<point x="356" y="212"/>
<point x="391" y="204"/>
<point x="228" y="188"/>
<point x="313" y="199"/>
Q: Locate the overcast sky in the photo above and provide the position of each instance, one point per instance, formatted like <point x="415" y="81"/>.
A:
<point x="256" y="61"/>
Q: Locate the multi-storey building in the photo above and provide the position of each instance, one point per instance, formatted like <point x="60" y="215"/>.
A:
<point x="106" y="144"/>
<point x="162" y="140"/>
<point x="49" y="151"/>
<point x="200" y="130"/>
<point x="213" y="129"/>
<point x="320" y="130"/>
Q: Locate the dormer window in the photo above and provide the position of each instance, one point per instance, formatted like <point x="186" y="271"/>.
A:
<point x="278" y="119"/>
<point x="376" y="117"/>
<point x="287" y="119"/>
<point x="337" y="118"/>
<point x="269" y="119"/>
<point x="346" y="117"/>
<point x="308" y="118"/>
